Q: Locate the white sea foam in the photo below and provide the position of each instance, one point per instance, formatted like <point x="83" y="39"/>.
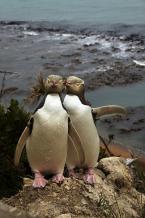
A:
<point x="87" y="71"/>
<point x="104" y="68"/>
<point x="113" y="45"/>
<point x="89" y="40"/>
<point x="103" y="43"/>
<point x="56" y="37"/>
<point x="122" y="50"/>
<point x="30" y="33"/>
<point x="100" y="42"/>
<point x="107" y="44"/>
<point x="67" y="35"/>
<point x="140" y="63"/>
<point x="122" y="46"/>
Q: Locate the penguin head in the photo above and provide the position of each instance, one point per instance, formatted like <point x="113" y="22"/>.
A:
<point x="54" y="84"/>
<point x="74" y="85"/>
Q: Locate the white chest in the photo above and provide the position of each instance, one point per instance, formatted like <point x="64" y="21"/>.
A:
<point x="52" y="103"/>
<point x="51" y="110"/>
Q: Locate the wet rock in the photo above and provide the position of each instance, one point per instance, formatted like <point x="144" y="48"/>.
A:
<point x="125" y="130"/>
<point x="10" y="90"/>
<point x="42" y="57"/>
<point x="117" y="74"/>
<point x="76" y="61"/>
<point x="128" y="130"/>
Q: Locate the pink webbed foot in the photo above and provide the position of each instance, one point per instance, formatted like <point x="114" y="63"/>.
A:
<point x="58" y="178"/>
<point x="39" y="181"/>
<point x="89" y="177"/>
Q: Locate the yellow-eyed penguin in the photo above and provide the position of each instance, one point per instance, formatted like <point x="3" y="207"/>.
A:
<point x="83" y="143"/>
<point x="46" y="136"/>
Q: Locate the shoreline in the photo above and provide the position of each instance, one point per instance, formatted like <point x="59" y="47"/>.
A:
<point x="127" y="153"/>
<point x="103" y="58"/>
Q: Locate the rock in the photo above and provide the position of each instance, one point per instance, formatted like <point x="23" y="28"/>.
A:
<point x="12" y="212"/>
<point x="84" y="202"/>
<point x="67" y="187"/>
<point x="116" y="171"/>
<point x="67" y="215"/>
<point x="100" y="173"/>
<point x="113" y="195"/>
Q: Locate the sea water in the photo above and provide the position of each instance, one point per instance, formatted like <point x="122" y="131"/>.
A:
<point x="75" y="12"/>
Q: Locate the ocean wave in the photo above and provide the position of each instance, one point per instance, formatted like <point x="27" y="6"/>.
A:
<point x="124" y="31"/>
<point x="30" y="33"/>
<point x="56" y="36"/>
<point x="140" y="63"/>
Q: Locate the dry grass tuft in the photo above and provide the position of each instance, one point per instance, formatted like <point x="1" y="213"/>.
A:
<point x="37" y="90"/>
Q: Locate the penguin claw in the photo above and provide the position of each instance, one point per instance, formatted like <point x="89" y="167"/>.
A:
<point x="39" y="182"/>
<point x="72" y="174"/>
<point x="58" y="178"/>
<point x="89" y="179"/>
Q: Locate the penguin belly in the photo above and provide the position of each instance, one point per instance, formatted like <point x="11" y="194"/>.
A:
<point x="82" y="120"/>
<point x="46" y="147"/>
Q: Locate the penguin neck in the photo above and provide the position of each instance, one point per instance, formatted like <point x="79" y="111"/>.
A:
<point x="81" y="97"/>
<point x="53" y="101"/>
<point x="72" y="103"/>
<point x="73" y="98"/>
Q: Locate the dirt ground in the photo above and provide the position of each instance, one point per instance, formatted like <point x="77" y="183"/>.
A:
<point x="115" y="185"/>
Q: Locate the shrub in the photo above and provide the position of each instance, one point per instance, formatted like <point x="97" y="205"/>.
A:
<point x="12" y="122"/>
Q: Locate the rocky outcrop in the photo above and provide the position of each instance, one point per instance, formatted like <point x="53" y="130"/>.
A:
<point x="12" y="212"/>
<point x="113" y="195"/>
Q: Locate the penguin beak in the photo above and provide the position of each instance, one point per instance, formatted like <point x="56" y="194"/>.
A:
<point x="67" y="84"/>
<point x="53" y="85"/>
<point x="64" y="82"/>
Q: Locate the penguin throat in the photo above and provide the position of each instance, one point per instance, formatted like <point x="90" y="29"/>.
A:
<point x="82" y="98"/>
<point x="52" y="101"/>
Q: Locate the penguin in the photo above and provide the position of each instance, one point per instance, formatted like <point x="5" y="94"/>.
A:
<point x="46" y="134"/>
<point x="83" y="141"/>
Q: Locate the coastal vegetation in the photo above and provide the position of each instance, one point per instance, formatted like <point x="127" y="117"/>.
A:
<point x="13" y="119"/>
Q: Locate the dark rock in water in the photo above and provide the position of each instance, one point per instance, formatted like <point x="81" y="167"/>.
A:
<point x="118" y="75"/>
<point x="76" y="61"/>
<point x="43" y="57"/>
<point x="9" y="90"/>
<point x="107" y="55"/>
<point x="6" y="23"/>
